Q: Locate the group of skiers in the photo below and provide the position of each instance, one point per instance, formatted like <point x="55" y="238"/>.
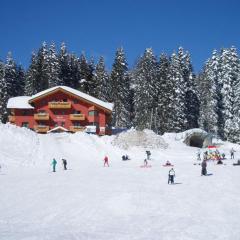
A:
<point x="54" y="164"/>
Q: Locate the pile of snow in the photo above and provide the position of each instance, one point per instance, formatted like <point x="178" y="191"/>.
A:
<point x="18" y="145"/>
<point x="134" y="138"/>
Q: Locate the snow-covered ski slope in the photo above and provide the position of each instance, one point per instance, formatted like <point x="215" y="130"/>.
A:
<point x="122" y="202"/>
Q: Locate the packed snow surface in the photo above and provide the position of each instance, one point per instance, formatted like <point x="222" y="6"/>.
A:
<point x="120" y="202"/>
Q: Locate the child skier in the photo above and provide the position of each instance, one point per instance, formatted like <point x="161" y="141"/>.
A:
<point x="105" y="161"/>
<point x="54" y="163"/>
<point x="145" y="163"/>
<point x="171" y="176"/>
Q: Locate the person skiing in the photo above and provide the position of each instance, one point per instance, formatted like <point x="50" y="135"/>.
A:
<point x="106" y="161"/>
<point x="199" y="155"/>
<point x="204" y="168"/>
<point x="232" y="151"/>
<point x="171" y="175"/>
<point x="54" y="163"/>
<point x="145" y="163"/>
<point x="148" y="155"/>
<point x="64" y="162"/>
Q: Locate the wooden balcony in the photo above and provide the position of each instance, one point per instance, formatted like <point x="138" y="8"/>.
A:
<point x="11" y="119"/>
<point x="59" y="105"/>
<point x="41" y="128"/>
<point x="76" y="128"/>
<point x="77" y="117"/>
<point x="41" y="116"/>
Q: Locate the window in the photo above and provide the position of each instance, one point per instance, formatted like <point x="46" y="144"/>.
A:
<point x="24" y="112"/>
<point x="56" y="124"/>
<point x="93" y="113"/>
<point x="25" y="124"/>
<point x="75" y="101"/>
<point x="62" y="124"/>
<point x="65" y="100"/>
<point x="76" y="112"/>
<point x="76" y="124"/>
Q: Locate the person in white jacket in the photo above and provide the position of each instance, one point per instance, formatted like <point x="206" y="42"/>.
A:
<point x="171" y="176"/>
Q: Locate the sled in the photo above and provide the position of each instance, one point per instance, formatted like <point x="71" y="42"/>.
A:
<point x="168" y="165"/>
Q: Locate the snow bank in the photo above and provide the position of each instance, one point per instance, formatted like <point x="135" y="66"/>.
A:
<point x="134" y="138"/>
<point x="18" y="145"/>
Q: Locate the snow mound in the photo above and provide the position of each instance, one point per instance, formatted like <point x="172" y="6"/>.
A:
<point x="17" y="143"/>
<point x="134" y="138"/>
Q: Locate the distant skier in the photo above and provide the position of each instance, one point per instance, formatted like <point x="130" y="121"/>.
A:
<point x="232" y="151"/>
<point x="204" y="168"/>
<point x="148" y="155"/>
<point x="106" y="161"/>
<point x="199" y="155"/>
<point x="54" y="163"/>
<point x="171" y="176"/>
<point x="145" y="163"/>
<point x="64" y="162"/>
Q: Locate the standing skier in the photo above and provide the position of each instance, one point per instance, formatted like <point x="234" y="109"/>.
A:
<point x="204" y="168"/>
<point x="232" y="151"/>
<point x="145" y="163"/>
<point x="105" y="161"/>
<point x="148" y="155"/>
<point x="171" y="176"/>
<point x="64" y="162"/>
<point x="54" y="163"/>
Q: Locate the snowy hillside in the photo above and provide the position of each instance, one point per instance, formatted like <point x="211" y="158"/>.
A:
<point x="122" y="202"/>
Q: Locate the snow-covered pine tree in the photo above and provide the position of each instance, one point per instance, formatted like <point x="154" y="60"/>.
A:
<point x="11" y="76"/>
<point x="53" y="67"/>
<point x="164" y="86"/>
<point x="207" y="85"/>
<point x="229" y="78"/>
<point x="37" y="74"/>
<point x="102" y="87"/>
<point x="20" y="83"/>
<point x="3" y="94"/>
<point x="191" y="94"/>
<point x="86" y="74"/>
<point x="177" y="106"/>
<point x="145" y="92"/>
<point x="64" y="66"/>
<point x="120" y="90"/>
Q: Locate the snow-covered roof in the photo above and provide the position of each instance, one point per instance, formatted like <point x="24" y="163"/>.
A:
<point x="23" y="101"/>
<point x="19" y="102"/>
<point x="58" y="128"/>
<point x="85" y="96"/>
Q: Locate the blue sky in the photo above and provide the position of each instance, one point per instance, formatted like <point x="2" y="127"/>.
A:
<point x="98" y="27"/>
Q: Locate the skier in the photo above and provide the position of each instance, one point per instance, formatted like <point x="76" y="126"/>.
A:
<point x="106" y="161"/>
<point x="199" y="155"/>
<point x="148" y="155"/>
<point x="204" y="168"/>
<point x="171" y="176"/>
<point x="54" y="163"/>
<point x="64" y="162"/>
<point x="145" y="163"/>
<point x="232" y="151"/>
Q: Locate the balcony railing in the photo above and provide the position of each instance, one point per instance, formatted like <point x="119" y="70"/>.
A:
<point x="76" y="128"/>
<point x="41" y="116"/>
<point x="77" y="117"/>
<point x="11" y="119"/>
<point x="41" y="128"/>
<point x="59" y="105"/>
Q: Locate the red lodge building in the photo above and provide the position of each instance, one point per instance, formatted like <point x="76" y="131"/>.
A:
<point x="60" y="109"/>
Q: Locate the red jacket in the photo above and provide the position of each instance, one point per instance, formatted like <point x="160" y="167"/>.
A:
<point x="106" y="159"/>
